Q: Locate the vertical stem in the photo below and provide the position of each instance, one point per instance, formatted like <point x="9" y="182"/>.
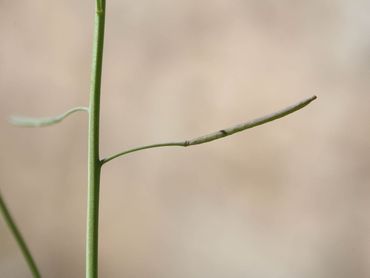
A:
<point x="18" y="237"/>
<point x="94" y="164"/>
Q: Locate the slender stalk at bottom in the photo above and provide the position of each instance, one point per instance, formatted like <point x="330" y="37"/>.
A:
<point x="19" y="238"/>
<point x="93" y="222"/>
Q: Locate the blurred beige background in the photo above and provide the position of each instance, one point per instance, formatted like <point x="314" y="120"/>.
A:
<point x="288" y="199"/>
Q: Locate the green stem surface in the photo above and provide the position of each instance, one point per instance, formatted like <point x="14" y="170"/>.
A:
<point x="19" y="238"/>
<point x="94" y="164"/>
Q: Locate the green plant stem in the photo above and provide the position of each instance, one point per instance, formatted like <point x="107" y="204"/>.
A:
<point x="94" y="164"/>
<point x="223" y="132"/>
<point x="19" y="238"/>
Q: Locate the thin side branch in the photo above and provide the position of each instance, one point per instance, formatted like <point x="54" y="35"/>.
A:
<point x="41" y="122"/>
<point x="19" y="238"/>
<point x="223" y="132"/>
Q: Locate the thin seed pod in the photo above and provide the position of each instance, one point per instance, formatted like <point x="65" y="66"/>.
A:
<point x="223" y="132"/>
<point x="41" y="122"/>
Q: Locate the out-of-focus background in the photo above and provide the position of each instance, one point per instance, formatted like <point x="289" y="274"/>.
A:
<point x="288" y="199"/>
